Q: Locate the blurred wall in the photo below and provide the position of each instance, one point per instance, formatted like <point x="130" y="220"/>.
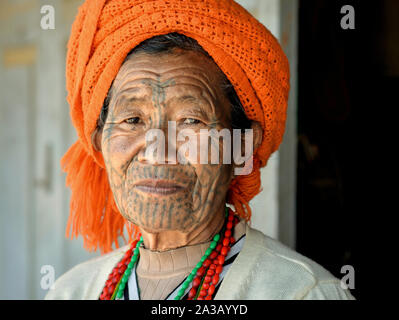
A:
<point x="36" y="131"/>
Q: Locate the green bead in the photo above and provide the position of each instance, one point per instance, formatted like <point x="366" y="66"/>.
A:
<point x="199" y="265"/>
<point x="181" y="292"/>
<point x="185" y="285"/>
<point x="194" y="272"/>
<point x="190" y="278"/>
<point x="208" y="252"/>
<point x="136" y="251"/>
<point x="213" y="244"/>
<point x="127" y="273"/>
<point x="119" y="294"/>
<point x="203" y="259"/>
<point x="134" y="259"/>
<point x="177" y="298"/>
<point x="125" y="278"/>
<point x="216" y="238"/>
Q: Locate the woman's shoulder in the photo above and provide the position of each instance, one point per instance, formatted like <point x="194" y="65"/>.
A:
<point x="268" y="269"/>
<point x="86" y="280"/>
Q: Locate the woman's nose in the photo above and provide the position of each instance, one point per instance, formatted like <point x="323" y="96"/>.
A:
<point x="160" y="145"/>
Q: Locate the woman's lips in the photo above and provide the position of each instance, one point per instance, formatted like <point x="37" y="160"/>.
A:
<point x="160" y="187"/>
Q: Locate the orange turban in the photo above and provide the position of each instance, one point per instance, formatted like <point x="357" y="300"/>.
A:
<point x="102" y="35"/>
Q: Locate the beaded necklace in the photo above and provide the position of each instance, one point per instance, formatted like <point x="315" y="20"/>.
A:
<point x="203" y="278"/>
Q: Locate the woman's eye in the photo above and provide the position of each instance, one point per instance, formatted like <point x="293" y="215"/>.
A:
<point x="133" y="120"/>
<point x="191" y="121"/>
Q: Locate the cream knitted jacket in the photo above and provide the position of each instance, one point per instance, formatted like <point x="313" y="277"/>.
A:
<point x="265" y="269"/>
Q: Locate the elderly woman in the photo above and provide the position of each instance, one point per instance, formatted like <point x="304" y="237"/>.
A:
<point x="180" y="68"/>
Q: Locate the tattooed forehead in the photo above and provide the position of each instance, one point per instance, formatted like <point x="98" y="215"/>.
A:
<point x="141" y="85"/>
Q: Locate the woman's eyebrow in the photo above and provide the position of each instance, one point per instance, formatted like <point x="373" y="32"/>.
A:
<point x="187" y="97"/>
<point x="129" y="97"/>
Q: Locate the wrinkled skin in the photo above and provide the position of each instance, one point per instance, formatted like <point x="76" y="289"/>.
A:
<point x="174" y="205"/>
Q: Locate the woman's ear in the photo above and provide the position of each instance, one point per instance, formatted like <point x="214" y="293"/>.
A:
<point x="253" y="136"/>
<point x="96" y="138"/>
<point x="257" y="133"/>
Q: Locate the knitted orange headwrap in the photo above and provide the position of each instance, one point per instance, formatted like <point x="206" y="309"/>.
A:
<point x="102" y="35"/>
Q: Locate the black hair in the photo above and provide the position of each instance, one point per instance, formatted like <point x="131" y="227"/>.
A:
<point x="166" y="44"/>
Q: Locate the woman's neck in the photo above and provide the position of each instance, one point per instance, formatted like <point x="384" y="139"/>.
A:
<point x="172" y="239"/>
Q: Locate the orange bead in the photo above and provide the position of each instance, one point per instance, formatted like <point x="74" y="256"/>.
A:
<point x="221" y="259"/>
<point x="196" y="282"/>
<point x="211" y="290"/>
<point x="200" y="271"/>
<point x="111" y="289"/>
<point x="207" y="263"/>
<point x="213" y="255"/>
<point x="192" y="293"/>
<point x="224" y="251"/>
<point x="210" y="272"/>
<point x="215" y="279"/>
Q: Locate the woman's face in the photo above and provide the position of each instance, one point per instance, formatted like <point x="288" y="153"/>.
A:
<point x="157" y="91"/>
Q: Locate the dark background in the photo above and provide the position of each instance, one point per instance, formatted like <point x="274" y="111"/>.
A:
<point x="344" y="76"/>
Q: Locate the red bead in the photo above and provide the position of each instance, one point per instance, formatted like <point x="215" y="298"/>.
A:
<point x="200" y="271"/>
<point x="114" y="273"/>
<point x="229" y="225"/>
<point x="114" y="279"/>
<point x="224" y="251"/>
<point x="211" y="290"/>
<point x="215" y="279"/>
<point x="219" y="269"/>
<point x="196" y="282"/>
<point x="120" y="264"/>
<point x="205" y="286"/>
<point x="221" y="259"/>
<point x="202" y="293"/>
<point x="213" y="255"/>
<point x="227" y="233"/>
<point x="212" y="266"/>
<point x="219" y="247"/>
<point x="111" y="289"/>
<point x="230" y="218"/>
<point x="192" y="293"/>
<point x="200" y="298"/>
<point x="208" y="298"/>
<point x="207" y="279"/>
<point x="232" y="240"/>
<point x="207" y="263"/>
<point x="226" y="242"/>
<point x="210" y="272"/>
<point x="216" y="261"/>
